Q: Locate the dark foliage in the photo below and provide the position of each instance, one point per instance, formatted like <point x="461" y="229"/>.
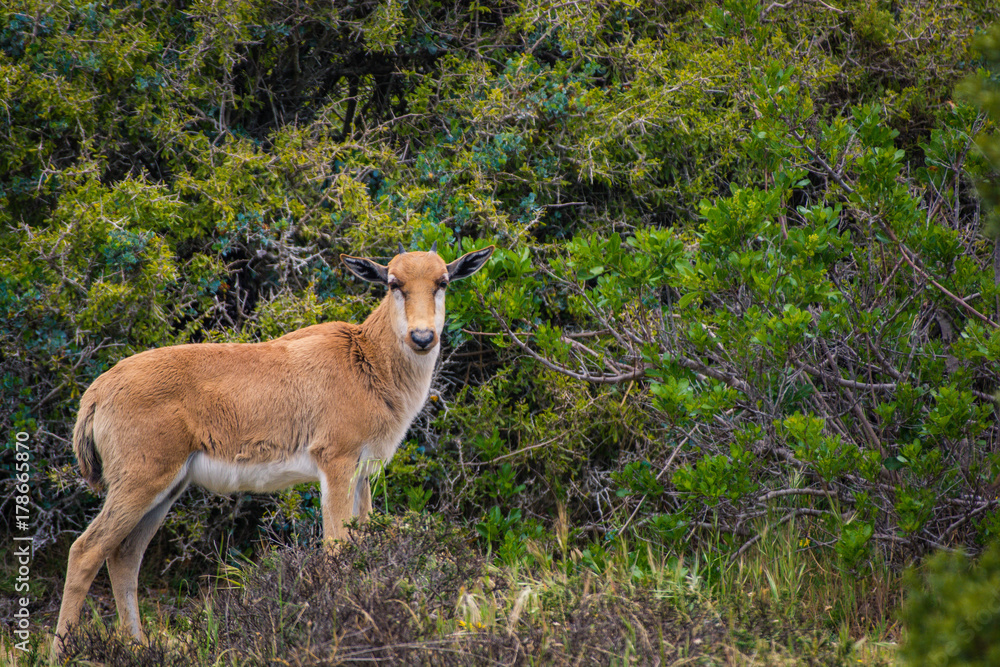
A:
<point x="100" y="645"/>
<point x="362" y="601"/>
<point x="394" y="594"/>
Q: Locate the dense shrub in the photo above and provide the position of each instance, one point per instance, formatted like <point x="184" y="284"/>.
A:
<point x="739" y="272"/>
<point x="952" y="611"/>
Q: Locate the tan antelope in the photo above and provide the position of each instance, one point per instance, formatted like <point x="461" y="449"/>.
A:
<point x="316" y="404"/>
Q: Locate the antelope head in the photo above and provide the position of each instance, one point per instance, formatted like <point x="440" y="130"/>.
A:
<point x="417" y="282"/>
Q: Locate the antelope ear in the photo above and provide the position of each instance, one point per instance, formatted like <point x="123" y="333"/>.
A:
<point x="467" y="264"/>
<point x="366" y="269"/>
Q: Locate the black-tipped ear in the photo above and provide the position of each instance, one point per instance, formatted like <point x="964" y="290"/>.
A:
<point x="366" y="269"/>
<point x="467" y="264"/>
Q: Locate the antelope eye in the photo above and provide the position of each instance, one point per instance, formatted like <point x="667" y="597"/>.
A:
<point x="394" y="286"/>
<point x="442" y="284"/>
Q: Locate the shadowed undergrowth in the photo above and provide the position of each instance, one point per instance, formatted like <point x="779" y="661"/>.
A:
<point x="417" y="591"/>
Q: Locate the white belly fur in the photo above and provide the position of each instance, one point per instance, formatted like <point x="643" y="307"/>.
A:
<point x="228" y="477"/>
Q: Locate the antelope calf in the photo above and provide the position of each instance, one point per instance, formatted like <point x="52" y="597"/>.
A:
<point x="314" y="405"/>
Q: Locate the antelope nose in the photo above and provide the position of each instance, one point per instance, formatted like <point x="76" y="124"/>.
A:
<point x="422" y="338"/>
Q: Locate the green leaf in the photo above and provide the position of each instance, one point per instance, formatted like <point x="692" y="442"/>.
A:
<point x="894" y="462"/>
<point x="688" y="299"/>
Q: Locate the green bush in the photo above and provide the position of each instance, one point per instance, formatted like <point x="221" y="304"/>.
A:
<point x="952" y="611"/>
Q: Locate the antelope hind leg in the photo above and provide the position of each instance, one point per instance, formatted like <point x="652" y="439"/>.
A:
<point x="124" y="509"/>
<point x="125" y="560"/>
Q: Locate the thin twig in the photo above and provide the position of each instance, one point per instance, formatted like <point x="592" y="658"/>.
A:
<point x="636" y="373"/>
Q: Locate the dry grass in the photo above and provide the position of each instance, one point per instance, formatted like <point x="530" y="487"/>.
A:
<point x="420" y="594"/>
<point x="417" y="591"/>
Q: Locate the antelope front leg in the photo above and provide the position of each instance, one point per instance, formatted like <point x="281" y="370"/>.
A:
<point x="336" y="487"/>
<point x="363" y="489"/>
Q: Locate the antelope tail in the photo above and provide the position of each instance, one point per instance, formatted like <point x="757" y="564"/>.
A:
<point x="83" y="445"/>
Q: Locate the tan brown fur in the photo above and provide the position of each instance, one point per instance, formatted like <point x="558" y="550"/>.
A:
<point x="323" y="399"/>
